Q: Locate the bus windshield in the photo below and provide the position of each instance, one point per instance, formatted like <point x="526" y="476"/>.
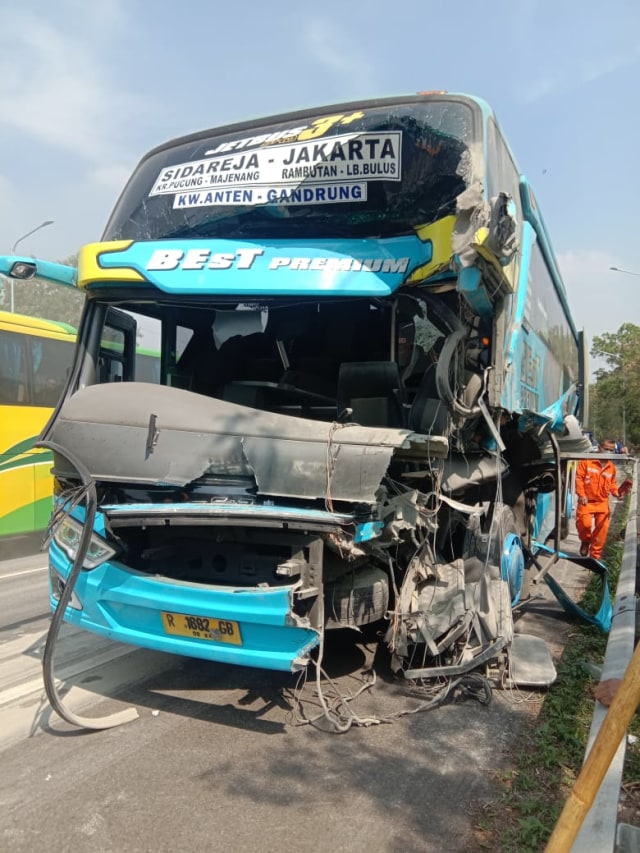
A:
<point x="376" y="171"/>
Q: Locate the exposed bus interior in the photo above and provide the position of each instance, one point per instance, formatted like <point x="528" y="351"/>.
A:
<point x="338" y="448"/>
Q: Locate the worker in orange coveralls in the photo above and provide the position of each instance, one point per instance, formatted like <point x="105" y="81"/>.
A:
<point x="595" y="481"/>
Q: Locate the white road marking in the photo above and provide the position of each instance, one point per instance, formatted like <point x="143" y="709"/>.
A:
<point x="25" y="572"/>
<point x="92" y="670"/>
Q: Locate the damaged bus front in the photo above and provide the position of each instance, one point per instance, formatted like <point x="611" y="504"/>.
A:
<point x="364" y="347"/>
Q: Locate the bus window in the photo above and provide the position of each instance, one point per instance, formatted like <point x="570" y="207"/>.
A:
<point x="35" y="359"/>
<point x="502" y="175"/>
<point x="117" y="347"/>
<point x="111" y="362"/>
<point x="427" y="140"/>
<point x="148" y="343"/>
<point x="13" y="372"/>
<point x="50" y="362"/>
<point x="147" y="366"/>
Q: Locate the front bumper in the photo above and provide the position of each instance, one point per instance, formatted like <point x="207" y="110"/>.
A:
<point x="124" y="605"/>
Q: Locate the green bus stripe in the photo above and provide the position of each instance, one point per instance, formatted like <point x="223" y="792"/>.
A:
<point x="21" y="520"/>
<point x="20" y="447"/>
<point x="39" y="458"/>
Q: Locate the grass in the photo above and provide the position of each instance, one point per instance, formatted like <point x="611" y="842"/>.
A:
<point x="547" y="764"/>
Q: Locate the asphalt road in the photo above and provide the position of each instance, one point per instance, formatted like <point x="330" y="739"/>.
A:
<point x="216" y="759"/>
<point x="23" y="598"/>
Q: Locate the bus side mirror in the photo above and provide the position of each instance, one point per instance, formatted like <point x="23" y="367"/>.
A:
<point x="22" y="270"/>
<point x="26" y="268"/>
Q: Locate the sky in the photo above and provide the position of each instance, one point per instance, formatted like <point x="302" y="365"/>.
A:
<point x="87" y="88"/>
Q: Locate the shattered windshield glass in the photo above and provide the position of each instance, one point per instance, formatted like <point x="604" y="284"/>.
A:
<point x="382" y="170"/>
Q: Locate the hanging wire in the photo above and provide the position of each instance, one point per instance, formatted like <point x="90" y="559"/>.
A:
<point x="87" y="493"/>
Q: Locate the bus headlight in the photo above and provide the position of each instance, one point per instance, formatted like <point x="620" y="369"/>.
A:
<point x="68" y="535"/>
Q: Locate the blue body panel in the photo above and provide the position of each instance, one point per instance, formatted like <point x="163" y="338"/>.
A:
<point x="544" y="521"/>
<point x="124" y="605"/>
<point x="224" y="509"/>
<point x="366" y="267"/>
<point x="527" y="388"/>
<point x="59" y="273"/>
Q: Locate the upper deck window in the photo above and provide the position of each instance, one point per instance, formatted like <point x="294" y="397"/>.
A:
<point x="502" y="174"/>
<point x="381" y="170"/>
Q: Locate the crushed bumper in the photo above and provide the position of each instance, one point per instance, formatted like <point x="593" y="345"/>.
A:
<point x="128" y="606"/>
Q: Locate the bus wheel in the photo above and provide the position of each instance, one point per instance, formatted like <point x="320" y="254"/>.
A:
<point x="512" y="566"/>
<point x="508" y="554"/>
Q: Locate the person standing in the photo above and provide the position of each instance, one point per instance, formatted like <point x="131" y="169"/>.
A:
<point x="595" y="481"/>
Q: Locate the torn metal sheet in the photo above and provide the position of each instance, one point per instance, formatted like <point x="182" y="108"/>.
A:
<point x="108" y="428"/>
<point x="473" y="212"/>
<point x="441" y="608"/>
<point x="404" y="512"/>
<point x="458" y="472"/>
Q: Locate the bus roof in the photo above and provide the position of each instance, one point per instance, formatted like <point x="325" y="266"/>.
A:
<point x="22" y="323"/>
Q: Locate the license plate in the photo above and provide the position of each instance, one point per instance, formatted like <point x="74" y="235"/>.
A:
<point x="202" y="628"/>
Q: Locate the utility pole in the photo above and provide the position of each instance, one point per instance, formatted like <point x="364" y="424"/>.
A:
<point x="628" y="272"/>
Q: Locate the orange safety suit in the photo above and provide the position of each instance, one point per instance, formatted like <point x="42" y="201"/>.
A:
<point x="595" y="481"/>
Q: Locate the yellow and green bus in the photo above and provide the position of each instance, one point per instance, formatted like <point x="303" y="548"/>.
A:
<point x="35" y="361"/>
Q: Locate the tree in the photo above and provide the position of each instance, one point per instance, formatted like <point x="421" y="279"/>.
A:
<point x="616" y="393"/>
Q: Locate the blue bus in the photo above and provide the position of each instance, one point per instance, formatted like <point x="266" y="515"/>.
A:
<point x="366" y="354"/>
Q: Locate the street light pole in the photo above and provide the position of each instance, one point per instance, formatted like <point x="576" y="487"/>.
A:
<point x="13" y="251"/>
<point x="628" y="272"/>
